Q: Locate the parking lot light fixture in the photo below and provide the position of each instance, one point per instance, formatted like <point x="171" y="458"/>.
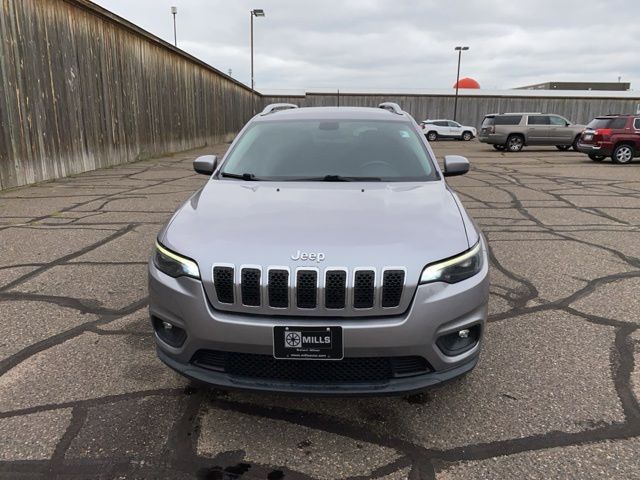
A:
<point x="455" y="103"/>
<point x="256" y="12"/>
<point x="174" y="11"/>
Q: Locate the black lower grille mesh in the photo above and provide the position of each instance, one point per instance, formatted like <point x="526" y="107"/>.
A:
<point x="335" y="289"/>
<point x="306" y="288"/>
<point x="392" y="285"/>
<point x="250" y="286"/>
<point x="279" y="288"/>
<point x="223" y="281"/>
<point x="348" y="370"/>
<point x="363" y="289"/>
<point x="210" y="359"/>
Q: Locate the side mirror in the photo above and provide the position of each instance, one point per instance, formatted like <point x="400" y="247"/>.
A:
<point x="205" y="164"/>
<point x="455" y="165"/>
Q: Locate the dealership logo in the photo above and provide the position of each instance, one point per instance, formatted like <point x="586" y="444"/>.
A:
<point x="293" y="339"/>
<point x="311" y="256"/>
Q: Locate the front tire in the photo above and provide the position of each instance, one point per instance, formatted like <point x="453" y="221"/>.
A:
<point x="574" y="145"/>
<point x="466" y="136"/>
<point x="432" y="136"/>
<point x="563" y="148"/>
<point x="515" y="143"/>
<point x="622" y="154"/>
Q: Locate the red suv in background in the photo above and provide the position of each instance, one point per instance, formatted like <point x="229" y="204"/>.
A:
<point x="617" y="136"/>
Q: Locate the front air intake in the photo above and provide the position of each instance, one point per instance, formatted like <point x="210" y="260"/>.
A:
<point x="363" y="288"/>
<point x="278" y="288"/>
<point x="307" y="288"/>
<point x="335" y="289"/>
<point x="223" y="281"/>
<point x="250" y="287"/>
<point x="392" y="286"/>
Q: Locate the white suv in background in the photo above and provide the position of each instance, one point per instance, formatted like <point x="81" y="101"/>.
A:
<point x="435" y="129"/>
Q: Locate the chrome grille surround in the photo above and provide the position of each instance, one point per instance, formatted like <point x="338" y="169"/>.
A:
<point x="264" y="306"/>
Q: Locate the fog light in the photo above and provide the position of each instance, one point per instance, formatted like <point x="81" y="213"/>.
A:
<point x="168" y="332"/>
<point x="459" y="342"/>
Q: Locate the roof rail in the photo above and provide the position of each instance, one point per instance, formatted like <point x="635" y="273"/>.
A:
<point x="392" y="107"/>
<point x="276" y="107"/>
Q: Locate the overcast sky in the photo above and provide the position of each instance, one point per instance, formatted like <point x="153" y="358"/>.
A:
<point x="398" y="44"/>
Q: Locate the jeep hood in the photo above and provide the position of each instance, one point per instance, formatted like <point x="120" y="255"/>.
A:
<point x="352" y="224"/>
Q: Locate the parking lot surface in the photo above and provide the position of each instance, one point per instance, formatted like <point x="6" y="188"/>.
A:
<point x="555" y="394"/>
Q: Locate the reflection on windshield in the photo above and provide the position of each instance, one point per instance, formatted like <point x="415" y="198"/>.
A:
<point x="315" y="150"/>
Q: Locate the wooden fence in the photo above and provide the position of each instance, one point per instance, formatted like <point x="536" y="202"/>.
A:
<point x="472" y="109"/>
<point x="81" y="88"/>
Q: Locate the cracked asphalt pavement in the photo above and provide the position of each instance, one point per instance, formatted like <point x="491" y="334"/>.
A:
<point x="555" y="394"/>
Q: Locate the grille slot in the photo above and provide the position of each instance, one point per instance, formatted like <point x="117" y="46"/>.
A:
<point x="250" y="286"/>
<point x="335" y="289"/>
<point x="223" y="281"/>
<point x="306" y="288"/>
<point x="278" y="288"/>
<point x="363" y="289"/>
<point x="349" y="370"/>
<point x="392" y="286"/>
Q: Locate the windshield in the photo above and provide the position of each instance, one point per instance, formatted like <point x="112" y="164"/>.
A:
<point x="600" y="123"/>
<point x="330" y="150"/>
<point x="609" y="122"/>
<point x="488" y="121"/>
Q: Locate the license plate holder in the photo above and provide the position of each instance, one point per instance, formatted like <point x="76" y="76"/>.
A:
<point x="308" y="343"/>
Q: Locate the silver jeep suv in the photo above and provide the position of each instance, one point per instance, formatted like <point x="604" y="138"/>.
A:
<point x="325" y="254"/>
<point x="512" y="131"/>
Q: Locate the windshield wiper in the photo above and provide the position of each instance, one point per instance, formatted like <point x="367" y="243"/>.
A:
<point x="335" y="178"/>
<point x="241" y="176"/>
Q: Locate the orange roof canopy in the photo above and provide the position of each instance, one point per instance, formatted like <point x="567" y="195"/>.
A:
<point x="467" y="83"/>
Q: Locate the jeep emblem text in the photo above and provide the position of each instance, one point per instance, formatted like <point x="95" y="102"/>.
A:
<point x="312" y="256"/>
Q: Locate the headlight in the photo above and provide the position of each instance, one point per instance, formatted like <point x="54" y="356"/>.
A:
<point x="173" y="264"/>
<point x="455" y="269"/>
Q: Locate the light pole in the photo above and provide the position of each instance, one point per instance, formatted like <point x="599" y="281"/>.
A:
<point x="174" y="10"/>
<point x="256" y="12"/>
<point x="455" y="103"/>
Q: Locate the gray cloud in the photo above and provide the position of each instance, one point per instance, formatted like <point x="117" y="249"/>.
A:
<point x="403" y="43"/>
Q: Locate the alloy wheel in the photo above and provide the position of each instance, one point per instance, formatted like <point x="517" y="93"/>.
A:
<point x="623" y="154"/>
<point x="515" y="144"/>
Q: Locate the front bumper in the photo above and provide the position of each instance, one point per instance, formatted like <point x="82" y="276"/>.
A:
<point x="437" y="309"/>
<point x="395" y="386"/>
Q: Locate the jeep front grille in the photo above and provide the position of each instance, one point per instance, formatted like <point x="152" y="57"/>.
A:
<point x="310" y="291"/>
